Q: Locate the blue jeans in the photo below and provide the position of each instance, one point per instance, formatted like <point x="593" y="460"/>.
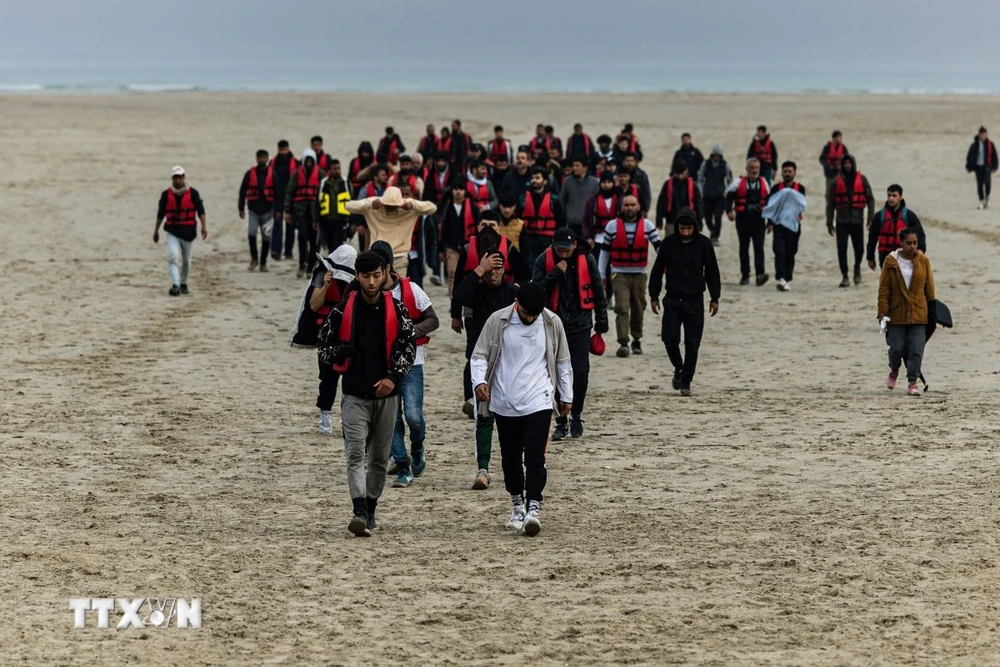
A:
<point x="179" y="257"/>
<point x="411" y="391"/>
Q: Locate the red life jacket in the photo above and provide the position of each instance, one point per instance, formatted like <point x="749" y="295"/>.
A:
<point x="480" y="194"/>
<point x="306" y="190"/>
<point x="740" y="203"/>
<point x="444" y="144"/>
<point x="542" y="222"/>
<point x="468" y="221"/>
<point x="410" y="303"/>
<point x="346" y="331"/>
<point x="586" y="143"/>
<point x="888" y="233"/>
<point x="253" y="188"/>
<point x="352" y="173"/>
<point x="603" y="214"/>
<point x="411" y="179"/>
<point x="293" y="164"/>
<point x="583" y="279"/>
<point x="670" y="194"/>
<point x="794" y="186"/>
<point x="762" y="151"/>
<point x="635" y="255"/>
<point x="834" y="154"/>
<point x="184" y="214"/>
<point x="415" y="236"/>
<point x="534" y="144"/>
<point x="423" y="148"/>
<point x="499" y="149"/>
<point x="472" y="257"/>
<point x="633" y="142"/>
<point x="857" y="198"/>
<point x="334" y="295"/>
<point x="323" y="161"/>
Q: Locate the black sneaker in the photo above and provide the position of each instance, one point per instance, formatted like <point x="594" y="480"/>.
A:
<point x="184" y="289"/>
<point x="562" y="430"/>
<point x="370" y="504"/>
<point x="857" y="275"/>
<point x="762" y="278"/>
<point x="676" y="382"/>
<point x="686" y="390"/>
<point x="745" y="280"/>
<point x="636" y="347"/>
<point x="845" y="282"/>
<point x="359" y="524"/>
<point x="174" y="290"/>
<point x="575" y="426"/>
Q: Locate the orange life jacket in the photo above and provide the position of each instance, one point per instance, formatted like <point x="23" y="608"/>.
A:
<point x="635" y="255"/>
<point x="183" y="214"/>
<point x="888" y="233"/>
<point x="254" y="191"/>
<point x="306" y="188"/>
<point x="604" y="213"/>
<point x="583" y="279"/>
<point x="542" y="222"/>
<point x="480" y="194"/>
<point x="762" y="151"/>
<point x="346" y="331"/>
<point x="856" y="199"/>
<point x="740" y="203"/>
<point x="472" y="257"/>
<point x="834" y="154"/>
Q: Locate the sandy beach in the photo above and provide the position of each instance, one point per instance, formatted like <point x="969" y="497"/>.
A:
<point x="793" y="512"/>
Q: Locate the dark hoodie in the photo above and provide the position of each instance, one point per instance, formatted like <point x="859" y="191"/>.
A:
<point x="911" y="220"/>
<point x="972" y="157"/>
<point x="359" y="163"/>
<point x="848" y="215"/>
<point x="575" y="319"/>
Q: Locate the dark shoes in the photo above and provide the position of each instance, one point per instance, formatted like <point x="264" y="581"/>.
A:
<point x="636" y="347"/>
<point x="857" y="275"/>
<point x="686" y="390"/>
<point x="419" y="462"/>
<point x="845" y="282"/>
<point x="676" y="382"/>
<point x="762" y="278"/>
<point x="174" y="290"/>
<point x="562" y="430"/>
<point x="745" y="280"/>
<point x="184" y="289"/>
<point x="575" y="426"/>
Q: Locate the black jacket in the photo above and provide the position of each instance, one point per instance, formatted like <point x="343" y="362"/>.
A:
<point x="367" y="351"/>
<point x="451" y="225"/>
<point x="516" y="183"/>
<point x="849" y="215"/>
<point x="579" y="146"/>
<point x="330" y="189"/>
<point x="282" y="172"/>
<point x="482" y="300"/>
<point x="258" y="206"/>
<point x="692" y="158"/>
<point x="689" y="268"/>
<point x="911" y="220"/>
<point x="518" y="264"/>
<point x="666" y="211"/>
<point x="382" y="153"/>
<point x="973" y="155"/>
<point x="574" y="318"/>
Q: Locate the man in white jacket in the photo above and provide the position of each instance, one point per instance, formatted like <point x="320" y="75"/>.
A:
<point x="519" y="361"/>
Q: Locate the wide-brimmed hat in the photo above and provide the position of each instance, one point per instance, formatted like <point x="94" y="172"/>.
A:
<point x="392" y="197"/>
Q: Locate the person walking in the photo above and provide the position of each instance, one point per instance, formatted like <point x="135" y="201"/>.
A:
<point x="847" y="196"/>
<point x="982" y="159"/>
<point x="283" y="234"/>
<point x="906" y="297"/>
<point x="369" y="340"/>
<point x="576" y="190"/>
<point x="327" y="288"/>
<point x="831" y="155"/>
<point x="679" y="192"/>
<point x="331" y="208"/>
<point x="784" y="221"/>
<point x="391" y="218"/>
<point x="883" y="233"/>
<point x="257" y="194"/>
<point x="457" y="223"/>
<point x="599" y="210"/>
<point x="576" y="294"/>
<point x="714" y="178"/>
<point x="687" y="260"/>
<point x="521" y="362"/>
<point x="745" y="201"/>
<point x="763" y="149"/>
<point x="690" y="155"/>
<point x="482" y="292"/>
<point x="179" y="212"/>
<point x="626" y="252"/>
<point x="498" y="147"/>
<point x="300" y="200"/>
<point x="542" y="213"/>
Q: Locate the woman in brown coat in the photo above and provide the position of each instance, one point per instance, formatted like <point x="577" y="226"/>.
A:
<point x="906" y="297"/>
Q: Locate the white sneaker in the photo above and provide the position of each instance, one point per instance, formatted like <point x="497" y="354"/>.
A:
<point x="986" y="203"/>
<point x="981" y="206"/>
<point x="326" y="422"/>
<point x="516" y="518"/>
<point x="782" y="285"/>
<point x="531" y="526"/>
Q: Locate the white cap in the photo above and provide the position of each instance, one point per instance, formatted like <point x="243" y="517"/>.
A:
<point x="177" y="170"/>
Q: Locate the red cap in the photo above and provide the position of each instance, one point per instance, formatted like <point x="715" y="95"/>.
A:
<point x="597" y="344"/>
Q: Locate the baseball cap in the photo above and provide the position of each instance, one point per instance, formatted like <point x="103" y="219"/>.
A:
<point x="177" y="170"/>
<point x="563" y="238"/>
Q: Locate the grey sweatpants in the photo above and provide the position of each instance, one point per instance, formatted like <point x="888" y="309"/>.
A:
<point x="368" y="427"/>
<point x="906" y="344"/>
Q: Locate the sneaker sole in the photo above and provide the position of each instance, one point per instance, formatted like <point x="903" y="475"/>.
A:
<point x="532" y="528"/>
<point x="480" y="485"/>
<point x="513" y="526"/>
<point x="359" y="527"/>
<point x="400" y="485"/>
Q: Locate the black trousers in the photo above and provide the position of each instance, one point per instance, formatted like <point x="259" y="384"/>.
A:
<point x="328" y="379"/>
<point x="687" y="313"/>
<point x="307" y="240"/>
<point x="856" y="234"/>
<point x="785" y="245"/>
<point x="984" y="178"/>
<point x="523" y="441"/>
<point x="714" y="208"/>
<point x="750" y="228"/>
<point x="579" y="354"/>
<point x="332" y="233"/>
<point x="470" y="345"/>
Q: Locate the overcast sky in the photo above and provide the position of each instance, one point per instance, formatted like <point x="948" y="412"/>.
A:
<point x="587" y="33"/>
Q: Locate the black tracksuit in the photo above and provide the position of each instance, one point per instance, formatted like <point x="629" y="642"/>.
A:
<point x="750" y="228"/>
<point x="576" y="321"/>
<point x="984" y="173"/>
<point x="690" y="268"/>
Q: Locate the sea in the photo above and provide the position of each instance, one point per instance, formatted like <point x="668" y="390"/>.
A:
<point x="84" y="76"/>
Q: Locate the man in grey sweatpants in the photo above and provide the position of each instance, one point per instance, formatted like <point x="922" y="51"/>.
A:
<point x="370" y="341"/>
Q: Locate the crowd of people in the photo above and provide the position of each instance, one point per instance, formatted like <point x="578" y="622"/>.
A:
<point x="534" y="243"/>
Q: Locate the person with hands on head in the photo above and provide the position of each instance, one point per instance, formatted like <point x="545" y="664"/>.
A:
<point x="179" y="212"/>
<point x="392" y="218"/>
<point x="520" y="364"/>
<point x="481" y="293"/>
<point x="370" y="340"/>
<point x="576" y="294"/>
<point x="687" y="259"/>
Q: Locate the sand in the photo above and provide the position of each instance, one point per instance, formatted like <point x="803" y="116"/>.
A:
<point x="793" y="512"/>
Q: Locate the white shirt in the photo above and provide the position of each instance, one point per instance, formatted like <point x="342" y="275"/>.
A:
<point x="906" y="268"/>
<point x="423" y="303"/>
<point x="521" y="383"/>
